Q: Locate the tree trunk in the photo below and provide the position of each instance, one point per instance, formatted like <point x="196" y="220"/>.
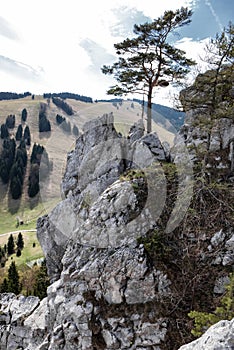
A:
<point x="143" y="107"/>
<point x="149" y="111"/>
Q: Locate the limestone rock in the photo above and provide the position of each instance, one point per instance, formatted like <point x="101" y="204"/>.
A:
<point x="22" y="321"/>
<point x="99" y="158"/>
<point x="219" y="336"/>
<point x="155" y="145"/>
<point x="136" y="131"/>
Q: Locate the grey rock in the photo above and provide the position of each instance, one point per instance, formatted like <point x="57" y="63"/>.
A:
<point x="220" y="284"/>
<point x="218" y="337"/>
<point x="155" y="145"/>
<point x="136" y="131"/>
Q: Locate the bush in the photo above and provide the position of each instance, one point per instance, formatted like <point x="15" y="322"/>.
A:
<point x="203" y="320"/>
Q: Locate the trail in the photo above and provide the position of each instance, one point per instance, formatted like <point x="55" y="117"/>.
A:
<point x="15" y="232"/>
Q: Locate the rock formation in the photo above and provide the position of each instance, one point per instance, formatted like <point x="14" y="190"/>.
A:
<point x="118" y="279"/>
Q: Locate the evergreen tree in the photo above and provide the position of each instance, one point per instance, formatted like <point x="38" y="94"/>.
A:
<point x="20" y="241"/>
<point x="4" y="131"/>
<point x="13" y="279"/>
<point x="18" y="171"/>
<point x="10" y="121"/>
<point x="19" y="133"/>
<point x="42" y="282"/>
<point x="4" y="286"/>
<point x="27" y="136"/>
<point x="33" y="186"/>
<point x="10" y="245"/>
<point x="149" y="60"/>
<point x="16" y="187"/>
<point x="7" y="159"/>
<point x="24" y="115"/>
<point x="18" y="253"/>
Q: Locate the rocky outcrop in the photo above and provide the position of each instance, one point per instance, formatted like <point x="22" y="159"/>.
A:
<point x="118" y="280"/>
<point x="104" y="293"/>
<point x="101" y="155"/>
<point x="219" y="336"/>
<point x="22" y="321"/>
<point x="209" y="122"/>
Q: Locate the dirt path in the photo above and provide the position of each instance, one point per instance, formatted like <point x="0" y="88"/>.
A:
<point x="15" y="232"/>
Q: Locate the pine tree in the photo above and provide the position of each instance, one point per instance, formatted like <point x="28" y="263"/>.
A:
<point x="18" y="253"/>
<point x="4" y="131"/>
<point x="10" y="121"/>
<point x="13" y="279"/>
<point x="149" y="60"/>
<point x="27" y="136"/>
<point x="19" y="133"/>
<point x="4" y="286"/>
<point x="10" y="245"/>
<point x="24" y="115"/>
<point x="42" y="281"/>
<point x="20" y="241"/>
<point x="16" y="187"/>
<point x="33" y="186"/>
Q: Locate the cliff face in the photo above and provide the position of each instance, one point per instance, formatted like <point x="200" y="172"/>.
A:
<point x="119" y="278"/>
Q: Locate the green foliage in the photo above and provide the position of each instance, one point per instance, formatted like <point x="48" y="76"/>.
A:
<point x="10" y="245"/>
<point x="20" y="241"/>
<point x="7" y="159"/>
<point x="18" y="171"/>
<point x="27" y="136"/>
<point x="65" y="125"/>
<point x="33" y="183"/>
<point x="44" y="123"/>
<point x="24" y="115"/>
<point x="214" y="97"/>
<point x="203" y="320"/>
<point x="19" y="133"/>
<point x="42" y="282"/>
<point x="10" y="121"/>
<point x="132" y="174"/>
<point x="4" y="131"/>
<point x="153" y="244"/>
<point x="149" y="60"/>
<point x="39" y="163"/>
<point x="13" y="279"/>
<point x="63" y="105"/>
<point x="4" y="288"/>
<point x="18" y="253"/>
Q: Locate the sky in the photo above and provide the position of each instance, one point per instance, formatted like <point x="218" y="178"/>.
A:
<point x="60" y="46"/>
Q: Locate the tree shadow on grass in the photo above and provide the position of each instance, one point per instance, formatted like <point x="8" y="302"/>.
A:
<point x="13" y="204"/>
<point x="33" y="202"/>
<point x="3" y="190"/>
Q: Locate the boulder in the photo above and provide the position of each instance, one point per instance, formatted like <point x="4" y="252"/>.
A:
<point x="220" y="336"/>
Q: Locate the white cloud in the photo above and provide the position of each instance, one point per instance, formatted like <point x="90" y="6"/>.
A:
<point x="216" y="17"/>
<point x="67" y="40"/>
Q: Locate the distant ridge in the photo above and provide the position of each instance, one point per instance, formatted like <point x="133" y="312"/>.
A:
<point x="69" y="95"/>
<point x="13" y="95"/>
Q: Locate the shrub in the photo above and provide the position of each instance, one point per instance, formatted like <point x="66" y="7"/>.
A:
<point x="203" y="320"/>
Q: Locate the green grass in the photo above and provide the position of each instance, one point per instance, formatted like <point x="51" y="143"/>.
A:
<point x="29" y="216"/>
<point x="29" y="253"/>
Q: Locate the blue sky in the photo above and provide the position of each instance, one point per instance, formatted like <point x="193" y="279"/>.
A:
<point x="48" y="46"/>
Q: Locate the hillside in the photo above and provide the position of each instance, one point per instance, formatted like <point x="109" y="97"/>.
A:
<point x="57" y="144"/>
